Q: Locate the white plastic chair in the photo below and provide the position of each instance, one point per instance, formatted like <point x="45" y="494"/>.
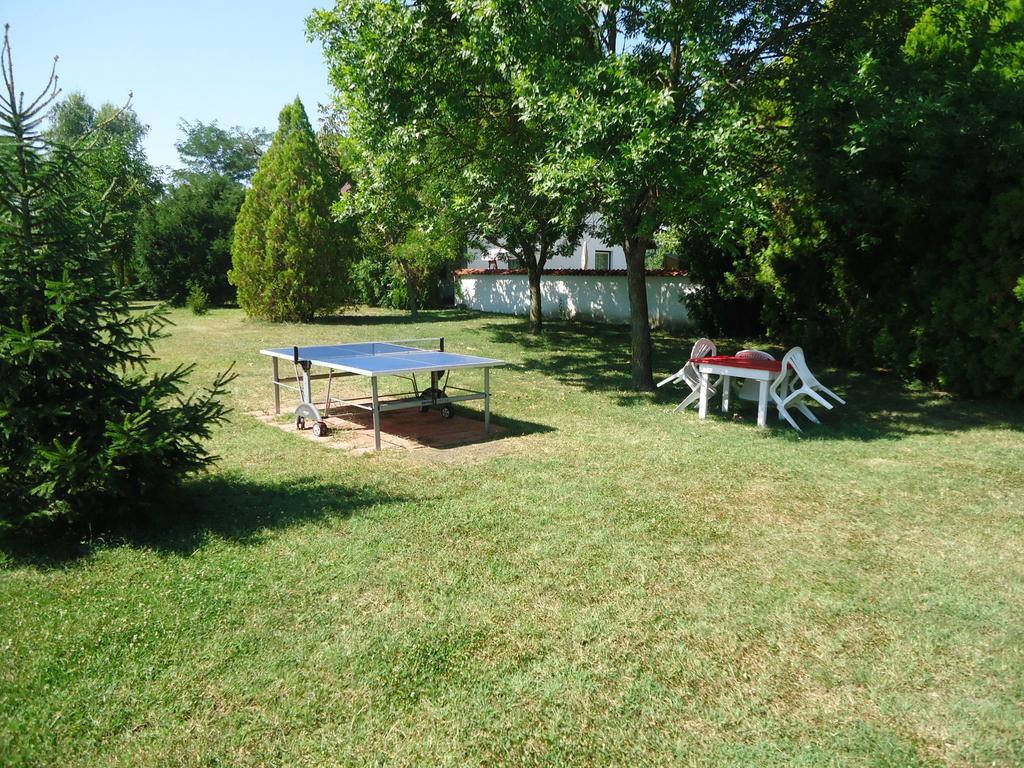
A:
<point x="748" y="389"/>
<point x="795" y="372"/>
<point x="688" y="374"/>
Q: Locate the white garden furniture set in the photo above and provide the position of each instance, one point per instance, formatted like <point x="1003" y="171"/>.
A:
<point x="789" y="382"/>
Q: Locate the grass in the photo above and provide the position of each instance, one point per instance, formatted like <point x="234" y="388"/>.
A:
<point x="621" y="586"/>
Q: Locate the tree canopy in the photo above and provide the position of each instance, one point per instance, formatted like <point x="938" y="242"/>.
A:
<point x="842" y="175"/>
<point x="234" y="152"/>
<point x="184" y="240"/>
<point x="119" y="180"/>
<point x="465" y="133"/>
<point x="889" y="194"/>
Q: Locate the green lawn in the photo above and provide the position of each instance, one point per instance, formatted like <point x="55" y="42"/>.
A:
<point x="620" y="585"/>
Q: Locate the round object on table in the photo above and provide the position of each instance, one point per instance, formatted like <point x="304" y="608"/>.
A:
<point x="447" y="411"/>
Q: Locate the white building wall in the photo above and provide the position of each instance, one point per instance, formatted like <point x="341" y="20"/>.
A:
<point x="603" y="298"/>
<point x="583" y="255"/>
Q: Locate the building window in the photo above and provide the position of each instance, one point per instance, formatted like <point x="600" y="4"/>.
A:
<point x="602" y="259"/>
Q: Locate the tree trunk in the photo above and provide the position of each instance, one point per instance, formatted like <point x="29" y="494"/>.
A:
<point x="533" y="273"/>
<point x="534" y="269"/>
<point x="410" y="288"/>
<point x="639" y="322"/>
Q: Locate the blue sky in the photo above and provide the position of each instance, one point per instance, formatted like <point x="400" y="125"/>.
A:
<point x="234" y="62"/>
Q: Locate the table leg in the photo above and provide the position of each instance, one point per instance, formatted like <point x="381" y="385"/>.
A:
<point x="307" y="385"/>
<point x="725" y="394"/>
<point x="487" y="400"/>
<point x="277" y="387"/>
<point x="762" y="403"/>
<point x="702" y="410"/>
<point x="376" y="413"/>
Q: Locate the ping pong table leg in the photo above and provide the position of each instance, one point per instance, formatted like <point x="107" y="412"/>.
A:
<point x="277" y="388"/>
<point x="376" y="413"/>
<point x="307" y="384"/>
<point x="487" y="400"/>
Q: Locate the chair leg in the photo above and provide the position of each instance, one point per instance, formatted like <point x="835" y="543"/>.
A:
<point x="816" y="396"/>
<point x="785" y="414"/>
<point x="671" y="379"/>
<point x="690" y="398"/>
<point x="807" y="412"/>
<point x="831" y="394"/>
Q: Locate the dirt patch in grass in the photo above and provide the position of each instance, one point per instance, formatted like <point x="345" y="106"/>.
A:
<point x="425" y="436"/>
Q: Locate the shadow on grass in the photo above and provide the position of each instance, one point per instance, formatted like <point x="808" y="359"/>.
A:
<point x="397" y="317"/>
<point x="879" y="406"/>
<point x="205" y="508"/>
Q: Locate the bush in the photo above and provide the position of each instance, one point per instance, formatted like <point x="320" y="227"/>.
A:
<point x="186" y="238"/>
<point x="374" y="281"/>
<point x="86" y="434"/>
<point x="198" y="299"/>
<point x="286" y="254"/>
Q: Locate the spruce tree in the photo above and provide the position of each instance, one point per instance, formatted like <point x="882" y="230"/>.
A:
<point x="286" y="255"/>
<point x="86" y="435"/>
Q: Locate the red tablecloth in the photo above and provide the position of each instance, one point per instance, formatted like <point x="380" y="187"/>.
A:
<point x="740" y="362"/>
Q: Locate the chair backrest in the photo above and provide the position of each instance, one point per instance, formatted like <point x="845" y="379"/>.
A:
<point x="702" y="348"/>
<point x="749" y="389"/>
<point x="755" y="354"/>
<point x="795" y="359"/>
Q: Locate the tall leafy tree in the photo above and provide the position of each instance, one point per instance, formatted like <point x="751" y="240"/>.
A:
<point x="635" y="108"/>
<point x="120" y="180"/>
<point x="403" y="219"/>
<point x="233" y="152"/>
<point x="86" y="434"/>
<point x="425" y="98"/>
<point x="288" y="262"/>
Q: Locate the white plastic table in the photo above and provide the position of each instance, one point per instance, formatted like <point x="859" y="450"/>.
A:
<point x="726" y="366"/>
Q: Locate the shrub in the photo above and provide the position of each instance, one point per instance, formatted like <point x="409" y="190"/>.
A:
<point x="86" y="434"/>
<point x="198" y="299"/>
<point x="373" y="280"/>
<point x="186" y="238"/>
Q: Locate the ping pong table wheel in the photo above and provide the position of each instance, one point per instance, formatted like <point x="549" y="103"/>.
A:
<point x="320" y="429"/>
<point x="447" y="411"/>
<point x="432" y="394"/>
<point x="300" y="422"/>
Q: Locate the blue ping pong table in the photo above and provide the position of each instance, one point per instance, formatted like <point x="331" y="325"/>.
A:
<point x="375" y="359"/>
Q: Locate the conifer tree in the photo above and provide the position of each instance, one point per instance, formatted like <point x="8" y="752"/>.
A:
<point x="286" y="255"/>
<point x="86" y="434"/>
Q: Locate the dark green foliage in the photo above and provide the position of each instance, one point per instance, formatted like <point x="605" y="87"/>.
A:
<point x="186" y="239"/>
<point x="86" y="435"/>
<point x="915" y="157"/>
<point x="888" y="159"/>
<point x="288" y="261"/>
<point x="376" y="282"/>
